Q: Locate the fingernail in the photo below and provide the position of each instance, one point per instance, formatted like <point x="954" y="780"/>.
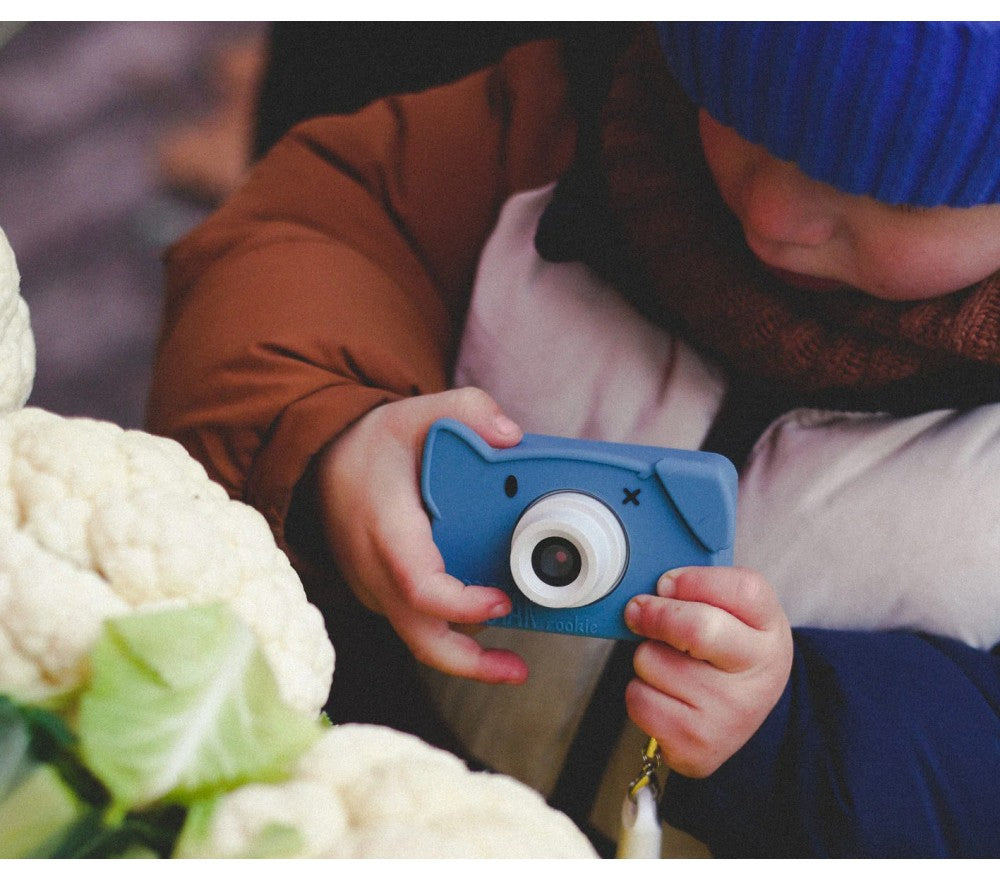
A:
<point x="633" y="610"/>
<point x="501" y="609"/>
<point x="505" y="425"/>
<point x="666" y="585"/>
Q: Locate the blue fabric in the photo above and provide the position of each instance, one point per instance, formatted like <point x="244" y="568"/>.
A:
<point x="883" y="745"/>
<point x="905" y="112"/>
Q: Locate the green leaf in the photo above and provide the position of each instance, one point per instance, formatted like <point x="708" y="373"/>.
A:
<point x="50" y="734"/>
<point x="15" y="747"/>
<point x="197" y="827"/>
<point x="151" y="834"/>
<point x="50" y="741"/>
<point x="276" y="840"/>
<point x="48" y="800"/>
<point x="182" y="703"/>
<point x="36" y="813"/>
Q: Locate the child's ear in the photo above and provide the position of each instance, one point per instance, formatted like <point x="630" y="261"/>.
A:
<point x="453" y="455"/>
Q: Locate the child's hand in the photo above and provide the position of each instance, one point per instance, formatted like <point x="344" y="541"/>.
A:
<point x="717" y="660"/>
<point x="380" y="535"/>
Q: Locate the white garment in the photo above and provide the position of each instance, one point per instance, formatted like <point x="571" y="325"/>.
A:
<point x="563" y="353"/>
<point x="858" y="521"/>
<point x="864" y="521"/>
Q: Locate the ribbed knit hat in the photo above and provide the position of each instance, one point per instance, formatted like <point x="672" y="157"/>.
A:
<point x="906" y="112"/>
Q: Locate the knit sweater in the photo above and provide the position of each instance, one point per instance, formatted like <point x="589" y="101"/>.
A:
<point x="640" y="207"/>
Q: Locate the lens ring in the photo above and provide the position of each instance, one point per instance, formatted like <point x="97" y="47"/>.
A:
<point x="587" y="524"/>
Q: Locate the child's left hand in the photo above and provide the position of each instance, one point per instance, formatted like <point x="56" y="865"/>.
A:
<point x="717" y="659"/>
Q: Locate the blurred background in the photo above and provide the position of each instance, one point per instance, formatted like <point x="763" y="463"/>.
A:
<point x="116" y="138"/>
<point x="102" y="129"/>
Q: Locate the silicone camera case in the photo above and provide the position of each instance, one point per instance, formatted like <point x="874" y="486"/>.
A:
<point x="573" y="529"/>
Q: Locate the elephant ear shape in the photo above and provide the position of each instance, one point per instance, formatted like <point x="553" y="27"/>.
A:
<point x="704" y="494"/>
<point x="452" y="453"/>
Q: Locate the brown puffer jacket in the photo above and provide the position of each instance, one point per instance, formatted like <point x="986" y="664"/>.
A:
<point x="337" y="278"/>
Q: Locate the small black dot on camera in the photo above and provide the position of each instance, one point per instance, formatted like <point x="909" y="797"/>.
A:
<point x="510" y="486"/>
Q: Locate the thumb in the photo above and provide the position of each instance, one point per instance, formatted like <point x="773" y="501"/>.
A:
<point x="477" y="409"/>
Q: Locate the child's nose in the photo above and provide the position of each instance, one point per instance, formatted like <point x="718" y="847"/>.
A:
<point x="783" y="206"/>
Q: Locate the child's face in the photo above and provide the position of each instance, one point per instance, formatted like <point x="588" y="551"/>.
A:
<point x="819" y="238"/>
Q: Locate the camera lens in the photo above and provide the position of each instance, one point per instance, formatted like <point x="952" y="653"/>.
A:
<point x="567" y="550"/>
<point x="556" y="561"/>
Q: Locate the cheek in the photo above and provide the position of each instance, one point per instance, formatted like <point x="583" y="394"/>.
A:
<point x="901" y="267"/>
<point x="727" y="156"/>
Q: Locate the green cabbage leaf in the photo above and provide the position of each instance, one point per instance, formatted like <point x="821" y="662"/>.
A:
<point x="181" y="704"/>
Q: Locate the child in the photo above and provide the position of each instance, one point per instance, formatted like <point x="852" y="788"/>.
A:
<point x="818" y="214"/>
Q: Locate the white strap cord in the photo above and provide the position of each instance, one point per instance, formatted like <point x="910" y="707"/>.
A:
<point x="641" y="834"/>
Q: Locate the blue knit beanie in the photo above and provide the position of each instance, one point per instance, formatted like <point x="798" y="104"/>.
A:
<point x="905" y="112"/>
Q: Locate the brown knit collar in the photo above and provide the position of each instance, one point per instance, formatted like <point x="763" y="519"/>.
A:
<point x="704" y="277"/>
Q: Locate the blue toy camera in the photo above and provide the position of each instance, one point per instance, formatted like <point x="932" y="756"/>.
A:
<point x="573" y="529"/>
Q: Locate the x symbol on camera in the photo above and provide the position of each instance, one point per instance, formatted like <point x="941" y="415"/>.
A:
<point x="631" y="497"/>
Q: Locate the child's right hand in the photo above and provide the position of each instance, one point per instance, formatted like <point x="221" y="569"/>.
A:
<point x="716" y="659"/>
<point x="380" y="535"/>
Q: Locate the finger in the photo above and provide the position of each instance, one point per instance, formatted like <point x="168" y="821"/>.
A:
<point x="445" y="598"/>
<point x="677" y="728"/>
<point x="687" y="680"/>
<point x="477" y="409"/>
<point x="435" y="644"/>
<point x="697" y="630"/>
<point x="406" y="552"/>
<point x="673" y="672"/>
<point x="741" y="592"/>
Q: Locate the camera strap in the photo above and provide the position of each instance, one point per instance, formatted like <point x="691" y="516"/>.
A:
<point x="590" y="752"/>
<point x="641" y="833"/>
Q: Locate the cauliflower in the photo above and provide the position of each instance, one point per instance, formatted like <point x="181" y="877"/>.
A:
<point x="17" y="345"/>
<point x="97" y="521"/>
<point x="179" y="745"/>
<point x="371" y="792"/>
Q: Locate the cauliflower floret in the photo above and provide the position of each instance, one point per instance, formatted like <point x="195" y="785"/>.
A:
<point x="96" y="521"/>
<point x="17" y="344"/>
<point x="372" y="792"/>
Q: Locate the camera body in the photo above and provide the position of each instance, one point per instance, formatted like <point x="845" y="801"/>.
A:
<point x="573" y="529"/>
